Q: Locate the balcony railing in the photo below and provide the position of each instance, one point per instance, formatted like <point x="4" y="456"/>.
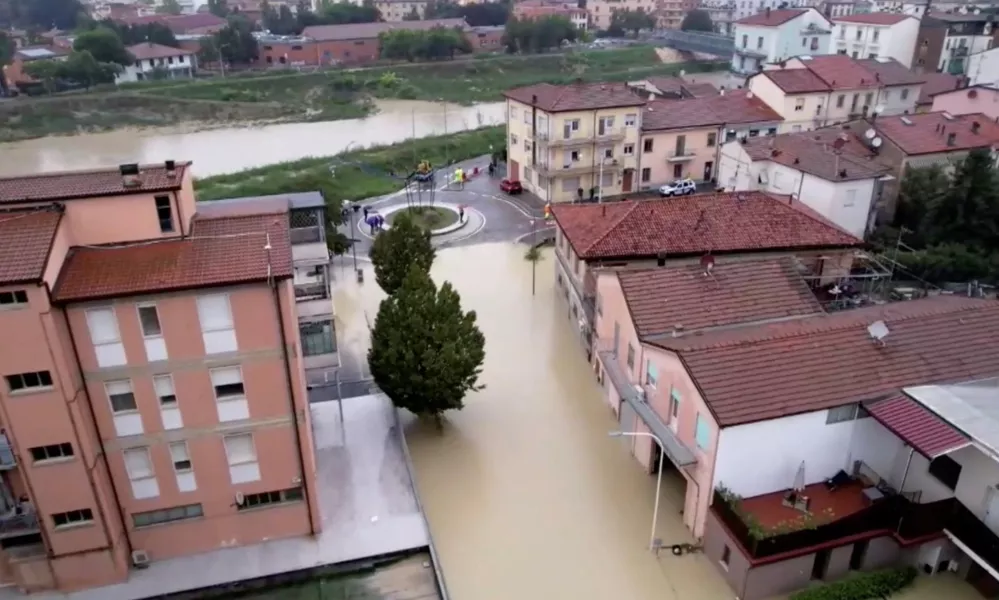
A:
<point x="7" y="460"/>
<point x="311" y="291"/>
<point x="579" y="139"/>
<point x="580" y="167"/>
<point x="680" y="155"/>
<point x="18" y="521"/>
<point x="306" y="235"/>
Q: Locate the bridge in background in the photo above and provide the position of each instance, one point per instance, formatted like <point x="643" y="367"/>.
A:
<point x="694" y="41"/>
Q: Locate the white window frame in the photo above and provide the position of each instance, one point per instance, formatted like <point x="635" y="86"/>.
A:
<point x="109" y="352"/>
<point x="144" y="483"/>
<point x="218" y="337"/>
<point x="173" y="389"/>
<point x="159" y="323"/>
<point x="242" y="469"/>
<point x="131" y="390"/>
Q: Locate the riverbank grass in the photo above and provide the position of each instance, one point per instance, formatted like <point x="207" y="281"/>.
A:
<point x="357" y="174"/>
<point x="427" y="217"/>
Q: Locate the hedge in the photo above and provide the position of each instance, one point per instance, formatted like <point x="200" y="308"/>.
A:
<point x="863" y="586"/>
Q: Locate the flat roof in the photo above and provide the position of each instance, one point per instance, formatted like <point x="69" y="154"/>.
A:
<point x="972" y="407"/>
<point x="260" y="204"/>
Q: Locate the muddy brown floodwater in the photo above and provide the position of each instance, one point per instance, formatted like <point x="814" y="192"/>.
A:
<point x="526" y="495"/>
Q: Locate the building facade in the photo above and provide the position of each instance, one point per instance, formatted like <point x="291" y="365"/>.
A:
<point x="877" y="35"/>
<point x="155" y="61"/>
<point x="773" y="36"/>
<point x="979" y="99"/>
<point x="157" y="406"/>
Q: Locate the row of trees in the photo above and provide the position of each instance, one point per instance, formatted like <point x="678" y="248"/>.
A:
<point x="282" y="21"/>
<point x="98" y="55"/>
<point x="426" y="352"/>
<point x="432" y="44"/>
<point x="948" y="221"/>
<point x="538" y="35"/>
<point x="477" y="14"/>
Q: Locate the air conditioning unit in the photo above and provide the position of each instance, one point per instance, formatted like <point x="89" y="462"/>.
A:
<point x="240" y="498"/>
<point x="140" y="559"/>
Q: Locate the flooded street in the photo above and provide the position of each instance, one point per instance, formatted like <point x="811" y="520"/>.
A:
<point x="225" y="150"/>
<point x="526" y="495"/>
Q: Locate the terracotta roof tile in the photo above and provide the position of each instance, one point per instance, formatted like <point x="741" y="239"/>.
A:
<point x="796" y="81"/>
<point x="814" y="153"/>
<point x="761" y="372"/>
<point x="364" y="31"/>
<point x="771" y="18"/>
<point x="68" y="185"/>
<point x="742" y="106"/>
<point x="25" y="239"/>
<point x="733" y="107"/>
<point x="735" y="292"/>
<point x="220" y="251"/>
<point x="879" y="18"/>
<point x="841" y="72"/>
<point x="577" y="96"/>
<point x="891" y="72"/>
<point x="148" y="50"/>
<point x="937" y="83"/>
<point x="717" y="222"/>
<point x="930" y="435"/>
<point x="928" y="133"/>
<point x="701" y="90"/>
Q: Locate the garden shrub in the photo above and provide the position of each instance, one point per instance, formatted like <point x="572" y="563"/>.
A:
<point x="863" y="586"/>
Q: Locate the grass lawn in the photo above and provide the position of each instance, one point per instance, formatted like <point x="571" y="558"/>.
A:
<point x="427" y="217"/>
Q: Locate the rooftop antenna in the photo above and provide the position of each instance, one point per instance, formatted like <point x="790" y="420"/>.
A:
<point x="878" y="332"/>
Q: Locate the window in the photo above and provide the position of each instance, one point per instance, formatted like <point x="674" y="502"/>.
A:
<point x="164" y="214"/>
<point x="815" y="44"/>
<point x="52" y="452"/>
<point x="841" y="413"/>
<point x="646" y="174"/>
<point x="631" y="356"/>
<point x="905" y="94"/>
<point x="853" y="102"/>
<point x="141" y="474"/>
<point x="242" y="457"/>
<point x="84" y="516"/>
<point x="674" y="407"/>
<point x="21" y="382"/>
<point x="266" y="498"/>
<point x="840" y="100"/>
<point x="513" y="139"/>
<point x="804" y="42"/>
<point x="609" y="152"/>
<point x="647" y="145"/>
<point x="799" y="104"/>
<point x="120" y="395"/>
<point x="678" y="171"/>
<point x="167" y="515"/>
<point x="712" y="139"/>
<point x="230" y="395"/>
<point x="745" y="40"/>
<point x="702" y="432"/>
<point x="630" y="120"/>
<point x="629" y="149"/>
<point x="163" y="384"/>
<point x="317" y="338"/>
<point x="759" y="42"/>
<point x="946" y="470"/>
<point x="860" y="33"/>
<point x="527" y="145"/>
<point x="103" y="326"/>
<point x="181" y="459"/>
<point x="217" y="329"/>
<point x="149" y="320"/>
<point x="726" y="557"/>
<point x="570" y="184"/>
<point x="651" y="374"/>
<point x="13" y="298"/>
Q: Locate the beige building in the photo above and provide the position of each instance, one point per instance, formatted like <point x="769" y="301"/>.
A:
<point x="572" y="142"/>
<point x="394" y="11"/>
<point x="601" y="11"/>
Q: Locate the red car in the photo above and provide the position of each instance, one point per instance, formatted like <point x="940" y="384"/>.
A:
<point x="511" y="187"/>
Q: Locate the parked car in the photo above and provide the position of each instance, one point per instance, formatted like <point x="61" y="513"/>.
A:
<point x="511" y="187"/>
<point x="680" y="187"/>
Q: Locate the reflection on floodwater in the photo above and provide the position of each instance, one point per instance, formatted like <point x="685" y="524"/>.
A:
<point x="526" y="495"/>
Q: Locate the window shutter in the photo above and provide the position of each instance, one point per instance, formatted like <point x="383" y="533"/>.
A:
<point x="115" y="388"/>
<point x="102" y="325"/>
<point x="163" y="385"/>
<point x="226" y="376"/>
<point x="213" y="312"/>
<point x="137" y="463"/>
<point x="239" y="448"/>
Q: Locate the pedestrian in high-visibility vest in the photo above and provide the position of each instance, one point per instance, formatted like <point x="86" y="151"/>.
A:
<point x="548" y="211"/>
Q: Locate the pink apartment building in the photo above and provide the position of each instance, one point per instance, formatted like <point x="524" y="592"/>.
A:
<point x="760" y="394"/>
<point x="153" y="401"/>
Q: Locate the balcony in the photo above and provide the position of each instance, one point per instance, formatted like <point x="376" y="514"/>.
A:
<point x="608" y="136"/>
<point x="680" y="155"/>
<point x="958" y="51"/>
<point x="579" y="167"/>
<point x="20" y="520"/>
<point x="7" y="460"/>
<point x="754" y="53"/>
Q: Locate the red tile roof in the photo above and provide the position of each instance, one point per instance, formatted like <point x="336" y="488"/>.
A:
<point x="692" y="225"/>
<point x="701" y="90"/>
<point x="814" y="153"/>
<point x="937" y="83"/>
<point x="148" y="50"/>
<point x="180" y="24"/>
<point x="796" y="81"/>
<point x="742" y="106"/>
<point x="662" y="299"/>
<point x="879" y="18"/>
<point x="928" y="133"/>
<point x="930" y="435"/>
<point x="220" y="251"/>
<point x="25" y="239"/>
<point x="770" y="371"/>
<point x="677" y="85"/>
<point x="733" y="107"/>
<point x="771" y="18"/>
<point x="68" y="185"/>
<point x="577" y="96"/>
<point x="891" y="72"/>
<point x="841" y="72"/>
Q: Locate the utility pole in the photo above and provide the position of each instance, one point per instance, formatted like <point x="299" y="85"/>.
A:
<point x="534" y="248"/>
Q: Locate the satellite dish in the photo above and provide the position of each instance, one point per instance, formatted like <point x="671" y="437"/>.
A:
<point x="880" y="108"/>
<point x="870" y="133"/>
<point x="878" y="331"/>
<point x="876" y="142"/>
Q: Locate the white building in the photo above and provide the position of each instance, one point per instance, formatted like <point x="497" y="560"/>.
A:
<point x="154" y="61"/>
<point x="776" y="35"/>
<point x="842" y="186"/>
<point x="983" y="68"/>
<point x="876" y="35"/>
<point x="913" y="8"/>
<point x="966" y="34"/>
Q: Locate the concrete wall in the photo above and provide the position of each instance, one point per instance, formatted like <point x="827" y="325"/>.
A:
<point x="661" y="165"/>
<point x="970" y="101"/>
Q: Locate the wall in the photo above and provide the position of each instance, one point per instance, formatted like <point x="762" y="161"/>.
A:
<point x="983" y="68"/>
<point x="659" y="169"/>
<point x="270" y="421"/>
<point x="929" y="46"/>
<point x="398" y="10"/>
<point x="893" y="41"/>
<point x="898" y="99"/>
<point x="143" y="69"/>
<point x="319" y="52"/>
<point x="811" y="115"/>
<point x="960" y="102"/>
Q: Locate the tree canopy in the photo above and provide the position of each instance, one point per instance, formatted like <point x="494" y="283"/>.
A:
<point x="426" y="353"/>
<point x="538" y="35"/>
<point x="436" y="43"/>
<point x="104" y="45"/>
<point x="477" y="14"/>
<point x="157" y="33"/>
<point x="219" y="8"/>
<point x="169" y="7"/>
<point x="697" y="20"/>
<point x="234" y="43"/>
<point x="395" y="250"/>
<point x="46" y="14"/>
<point x="80" y="67"/>
<point x="623" y="21"/>
<point x="949" y="222"/>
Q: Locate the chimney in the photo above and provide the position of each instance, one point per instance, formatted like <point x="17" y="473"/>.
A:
<point x="951" y="138"/>
<point x="768" y="12"/>
<point x="661" y="259"/>
<point x="171" y="168"/>
<point x="678" y="328"/>
<point x="130" y="175"/>
<point x="975" y="126"/>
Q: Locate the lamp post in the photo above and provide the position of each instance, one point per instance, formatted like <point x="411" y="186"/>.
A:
<point x="659" y="478"/>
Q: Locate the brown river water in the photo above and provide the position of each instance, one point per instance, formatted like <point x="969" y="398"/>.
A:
<point x="226" y="150"/>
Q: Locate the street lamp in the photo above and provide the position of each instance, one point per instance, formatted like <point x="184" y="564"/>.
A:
<point x="659" y="478"/>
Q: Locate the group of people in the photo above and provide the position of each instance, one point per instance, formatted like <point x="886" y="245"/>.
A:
<point x="374" y="220"/>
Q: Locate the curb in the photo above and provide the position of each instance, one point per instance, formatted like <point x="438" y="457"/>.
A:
<point x="435" y="233"/>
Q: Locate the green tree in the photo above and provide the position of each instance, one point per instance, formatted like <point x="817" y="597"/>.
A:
<point x="920" y="189"/>
<point x="84" y="69"/>
<point x="7" y="49"/>
<point x="105" y="46"/>
<point x="538" y="35"/>
<point x="631" y="20"/>
<point x="48" y="14"/>
<point x="697" y="20"/>
<point x="46" y="71"/>
<point x="969" y="211"/>
<point x="208" y="52"/>
<point x="169" y="7"/>
<point x="219" y="8"/>
<point x="426" y="352"/>
<point x="394" y="251"/>
<point x="235" y="42"/>
<point x="345" y="13"/>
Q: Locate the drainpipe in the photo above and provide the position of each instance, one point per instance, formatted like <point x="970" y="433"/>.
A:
<point x="289" y="380"/>
<point x="100" y="446"/>
<point x="180" y="215"/>
<point x="905" y="474"/>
